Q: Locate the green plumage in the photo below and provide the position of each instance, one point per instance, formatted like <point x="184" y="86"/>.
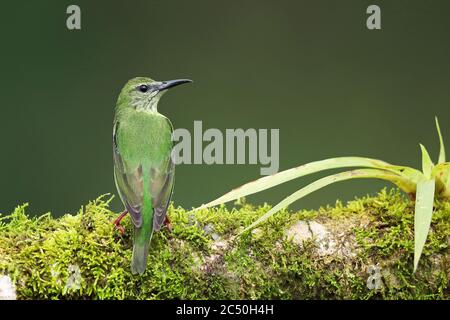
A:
<point x="143" y="168"/>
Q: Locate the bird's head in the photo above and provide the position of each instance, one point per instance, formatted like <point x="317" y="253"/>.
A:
<point x="144" y="93"/>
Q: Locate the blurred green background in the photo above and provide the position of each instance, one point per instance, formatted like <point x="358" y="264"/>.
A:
<point x="310" y="68"/>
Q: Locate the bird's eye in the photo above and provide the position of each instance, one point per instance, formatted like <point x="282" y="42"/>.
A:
<point x="143" y="88"/>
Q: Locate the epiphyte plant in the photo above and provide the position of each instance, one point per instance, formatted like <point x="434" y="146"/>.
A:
<point x="421" y="186"/>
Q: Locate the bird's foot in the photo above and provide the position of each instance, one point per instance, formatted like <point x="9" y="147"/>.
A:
<point x="117" y="224"/>
<point x="168" y="224"/>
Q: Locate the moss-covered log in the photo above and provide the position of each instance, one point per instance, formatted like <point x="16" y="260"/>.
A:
<point x="356" y="251"/>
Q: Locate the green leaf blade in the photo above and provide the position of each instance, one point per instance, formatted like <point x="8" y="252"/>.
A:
<point x="318" y="184"/>
<point x="427" y="163"/>
<point x="441" y="173"/>
<point x="422" y="216"/>
<point x="441" y="143"/>
<point x="306" y="169"/>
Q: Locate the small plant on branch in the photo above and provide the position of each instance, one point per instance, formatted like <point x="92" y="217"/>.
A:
<point x="421" y="186"/>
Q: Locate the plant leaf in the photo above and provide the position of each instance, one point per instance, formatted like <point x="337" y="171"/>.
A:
<point x="441" y="173"/>
<point x="441" y="143"/>
<point x="400" y="181"/>
<point x="310" y="168"/>
<point x="427" y="163"/>
<point x="422" y="216"/>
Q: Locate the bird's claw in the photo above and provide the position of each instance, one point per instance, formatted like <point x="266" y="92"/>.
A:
<point x="120" y="229"/>
<point x="117" y="224"/>
<point x="168" y="224"/>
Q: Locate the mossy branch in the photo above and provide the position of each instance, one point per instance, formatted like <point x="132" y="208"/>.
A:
<point x="360" y="250"/>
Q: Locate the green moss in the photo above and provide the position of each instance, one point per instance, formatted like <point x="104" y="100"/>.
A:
<point x="81" y="256"/>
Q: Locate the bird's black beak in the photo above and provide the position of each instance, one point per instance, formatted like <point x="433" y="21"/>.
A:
<point x="172" y="83"/>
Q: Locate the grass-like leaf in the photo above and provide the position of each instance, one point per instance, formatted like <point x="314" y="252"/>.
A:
<point x="398" y="180"/>
<point x="422" y="216"/>
<point x="441" y="143"/>
<point x="427" y="163"/>
<point x="310" y="168"/>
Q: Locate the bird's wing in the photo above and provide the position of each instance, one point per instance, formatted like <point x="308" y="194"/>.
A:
<point x="162" y="189"/>
<point x="129" y="181"/>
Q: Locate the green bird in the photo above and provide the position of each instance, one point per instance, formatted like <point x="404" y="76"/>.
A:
<point x="143" y="168"/>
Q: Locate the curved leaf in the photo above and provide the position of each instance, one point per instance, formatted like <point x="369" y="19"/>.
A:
<point x="427" y="164"/>
<point x="400" y="181"/>
<point x="310" y="168"/>
<point x="441" y="143"/>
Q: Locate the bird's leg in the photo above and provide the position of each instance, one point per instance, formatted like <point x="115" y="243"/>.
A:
<point x="117" y="222"/>
<point x="168" y="224"/>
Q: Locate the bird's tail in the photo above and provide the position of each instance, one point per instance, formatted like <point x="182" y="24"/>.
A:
<point x="140" y="250"/>
<point x="143" y="234"/>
